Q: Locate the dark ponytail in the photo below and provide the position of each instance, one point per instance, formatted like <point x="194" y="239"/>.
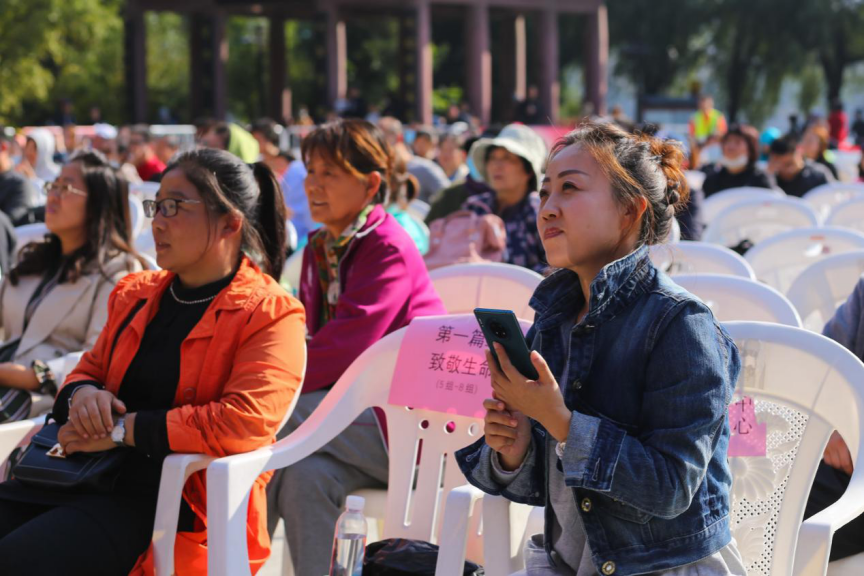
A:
<point x="228" y="184"/>
<point x="271" y="220"/>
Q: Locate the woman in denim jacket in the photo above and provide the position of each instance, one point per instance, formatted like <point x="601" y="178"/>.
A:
<point x="623" y="437"/>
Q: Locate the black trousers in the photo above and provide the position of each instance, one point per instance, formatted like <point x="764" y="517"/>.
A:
<point x="49" y="540"/>
<point x="828" y="486"/>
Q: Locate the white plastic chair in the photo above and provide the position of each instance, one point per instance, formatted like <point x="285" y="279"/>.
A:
<point x="687" y="257"/>
<point x="756" y="220"/>
<point x="695" y="178"/>
<point x="418" y="209"/>
<point x="778" y="260"/>
<point x="136" y="214"/>
<point x="291" y="234"/>
<point x="823" y="286"/>
<point x="292" y="271"/>
<point x="176" y="469"/>
<point x="463" y="287"/>
<point x="804" y="386"/>
<point x="824" y="198"/>
<point x="28" y="233"/>
<point x="719" y="201"/>
<point x="733" y="298"/>
<point x="144" y="190"/>
<point x="848" y="214"/>
<point x="410" y="513"/>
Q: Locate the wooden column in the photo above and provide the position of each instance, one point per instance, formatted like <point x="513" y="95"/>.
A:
<point x="277" y="100"/>
<point x="423" y="30"/>
<point x="479" y="69"/>
<point x="209" y="57"/>
<point x="597" y="64"/>
<point x="550" y="86"/>
<point x="337" y="56"/>
<point x="135" y="56"/>
<point x="520" y="47"/>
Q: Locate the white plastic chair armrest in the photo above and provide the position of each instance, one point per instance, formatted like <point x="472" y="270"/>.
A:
<point x="454" y="530"/>
<point x="496" y="535"/>
<point x="14" y="434"/>
<point x="61" y="367"/>
<point x="816" y="533"/>
<point x="176" y="469"/>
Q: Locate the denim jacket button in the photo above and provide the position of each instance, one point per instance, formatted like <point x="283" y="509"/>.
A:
<point x="586" y="505"/>
<point x="577" y="384"/>
<point x="608" y="568"/>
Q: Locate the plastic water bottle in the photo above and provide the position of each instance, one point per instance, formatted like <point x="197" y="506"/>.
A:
<point x="349" y="542"/>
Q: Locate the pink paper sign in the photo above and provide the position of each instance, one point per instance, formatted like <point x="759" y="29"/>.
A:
<point x="748" y="436"/>
<point x="442" y="366"/>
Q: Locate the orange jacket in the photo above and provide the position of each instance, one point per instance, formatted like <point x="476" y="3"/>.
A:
<point x="239" y="369"/>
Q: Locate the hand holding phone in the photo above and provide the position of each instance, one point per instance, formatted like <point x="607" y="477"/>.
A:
<point x="508" y="433"/>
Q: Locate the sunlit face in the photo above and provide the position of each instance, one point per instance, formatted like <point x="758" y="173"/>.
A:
<point x="336" y="197"/>
<point x="811" y="145"/>
<point x="506" y="171"/>
<point x="785" y="166"/>
<point x="185" y="241"/>
<point x="580" y="223"/>
<point x="450" y="155"/>
<point x="31" y="152"/>
<point x="424" y="147"/>
<point x="734" y="147"/>
<point x="66" y="206"/>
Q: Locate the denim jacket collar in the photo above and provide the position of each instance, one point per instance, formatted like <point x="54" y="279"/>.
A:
<point x="614" y="286"/>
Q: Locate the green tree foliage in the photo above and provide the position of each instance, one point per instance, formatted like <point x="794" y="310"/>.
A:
<point x="168" y="63"/>
<point x="53" y="49"/>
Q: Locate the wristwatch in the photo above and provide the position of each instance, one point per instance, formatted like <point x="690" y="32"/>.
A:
<point x="118" y="433"/>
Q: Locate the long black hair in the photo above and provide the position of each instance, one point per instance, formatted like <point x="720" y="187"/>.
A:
<point x="108" y="223"/>
<point x="226" y="184"/>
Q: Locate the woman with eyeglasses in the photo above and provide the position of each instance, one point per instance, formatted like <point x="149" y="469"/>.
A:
<point x="55" y="300"/>
<point x="203" y="356"/>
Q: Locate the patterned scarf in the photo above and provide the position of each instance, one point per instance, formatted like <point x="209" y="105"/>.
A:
<point x="328" y="254"/>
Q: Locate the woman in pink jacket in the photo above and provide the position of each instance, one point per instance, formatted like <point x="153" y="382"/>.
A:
<point x="363" y="278"/>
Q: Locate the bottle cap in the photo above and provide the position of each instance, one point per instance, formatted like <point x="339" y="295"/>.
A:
<point x="355" y="503"/>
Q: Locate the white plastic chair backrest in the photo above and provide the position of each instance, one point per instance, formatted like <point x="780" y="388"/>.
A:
<point x="695" y="178"/>
<point x="733" y="298"/>
<point x="464" y="287"/>
<point x="687" y="257"/>
<point x="144" y="190"/>
<point x="823" y="198"/>
<point x="292" y="271"/>
<point x="756" y="220"/>
<point x="778" y="260"/>
<point x="418" y="209"/>
<point x="719" y="201"/>
<point x="28" y="233"/>
<point x="411" y="513"/>
<point x="848" y="214"/>
<point x="823" y="286"/>
<point x="136" y="215"/>
<point x="291" y="234"/>
<point x="803" y="386"/>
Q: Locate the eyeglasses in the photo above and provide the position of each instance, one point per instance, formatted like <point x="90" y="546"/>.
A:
<point x="167" y="206"/>
<point x="61" y="190"/>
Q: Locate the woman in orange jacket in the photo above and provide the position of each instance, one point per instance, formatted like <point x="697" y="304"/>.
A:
<point x="202" y="357"/>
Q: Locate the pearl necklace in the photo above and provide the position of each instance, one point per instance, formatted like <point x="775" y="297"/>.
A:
<point x="179" y="301"/>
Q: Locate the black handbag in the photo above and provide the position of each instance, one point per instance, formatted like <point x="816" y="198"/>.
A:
<point x="90" y="471"/>
<point x="402" y="557"/>
<point x="15" y="403"/>
<point x="40" y="465"/>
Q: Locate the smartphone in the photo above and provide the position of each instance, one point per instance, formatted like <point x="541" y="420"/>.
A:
<point x="502" y="326"/>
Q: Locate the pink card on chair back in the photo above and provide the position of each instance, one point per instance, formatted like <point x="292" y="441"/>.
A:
<point x="442" y="366"/>
<point x="748" y="438"/>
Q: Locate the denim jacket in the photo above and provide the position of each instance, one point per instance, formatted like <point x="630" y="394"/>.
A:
<point x="651" y="374"/>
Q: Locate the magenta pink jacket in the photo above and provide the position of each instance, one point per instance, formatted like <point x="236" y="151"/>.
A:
<point x="384" y="286"/>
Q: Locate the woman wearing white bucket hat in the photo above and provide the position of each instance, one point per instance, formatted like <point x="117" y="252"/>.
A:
<point x="512" y="165"/>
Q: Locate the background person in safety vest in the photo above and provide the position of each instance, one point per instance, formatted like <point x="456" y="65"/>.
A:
<point x="707" y="126"/>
